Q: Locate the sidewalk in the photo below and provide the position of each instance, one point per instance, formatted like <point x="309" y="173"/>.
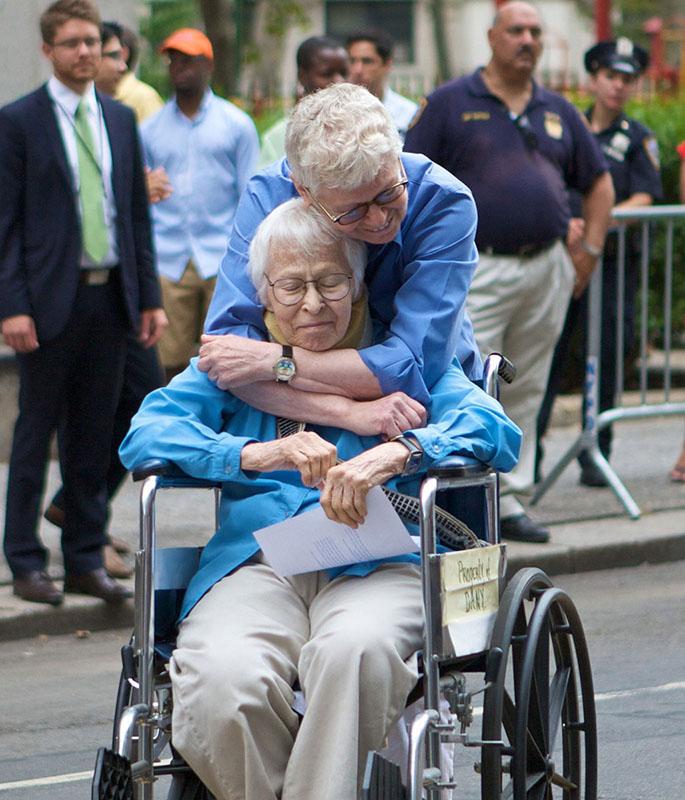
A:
<point x="589" y="530"/>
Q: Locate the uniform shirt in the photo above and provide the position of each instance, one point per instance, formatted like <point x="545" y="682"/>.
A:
<point x="417" y="283"/>
<point x="519" y="171"/>
<point x="401" y="109"/>
<point x="142" y="98"/>
<point x="203" y="430"/>
<point x="632" y="153"/>
<point x="65" y="103"/>
<point x="209" y="160"/>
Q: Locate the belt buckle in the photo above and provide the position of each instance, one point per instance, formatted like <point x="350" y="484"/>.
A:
<point x="96" y="277"/>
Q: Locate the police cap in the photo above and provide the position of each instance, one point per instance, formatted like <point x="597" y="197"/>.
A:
<point x="620" y="55"/>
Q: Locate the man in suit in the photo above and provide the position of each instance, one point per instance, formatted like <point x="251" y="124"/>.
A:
<point x="76" y="273"/>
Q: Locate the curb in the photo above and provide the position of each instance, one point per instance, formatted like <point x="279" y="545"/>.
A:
<point x="575" y="547"/>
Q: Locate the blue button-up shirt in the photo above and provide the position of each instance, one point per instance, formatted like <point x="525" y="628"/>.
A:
<point x="209" y="160"/>
<point x="417" y="283"/>
<point x="203" y="430"/>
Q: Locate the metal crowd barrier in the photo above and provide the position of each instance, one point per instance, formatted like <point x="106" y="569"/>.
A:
<point x="587" y="441"/>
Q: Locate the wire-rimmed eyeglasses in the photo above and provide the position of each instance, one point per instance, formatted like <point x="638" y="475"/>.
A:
<point x="291" y="291"/>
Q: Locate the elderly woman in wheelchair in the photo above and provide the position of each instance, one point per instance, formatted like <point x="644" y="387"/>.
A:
<point x="348" y="635"/>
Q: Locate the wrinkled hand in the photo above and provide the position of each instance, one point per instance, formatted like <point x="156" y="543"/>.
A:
<point x="19" y="333"/>
<point x="153" y="322"/>
<point x="584" y="264"/>
<point x="305" y="452"/>
<point x="232" y="361"/>
<point x="388" y="416"/>
<point x="158" y="184"/>
<point x="343" y="497"/>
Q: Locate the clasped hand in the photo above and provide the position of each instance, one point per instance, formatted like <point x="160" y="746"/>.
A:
<point x="343" y="486"/>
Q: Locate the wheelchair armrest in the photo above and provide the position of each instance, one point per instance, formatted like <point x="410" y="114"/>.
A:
<point x="458" y="467"/>
<point x="171" y="475"/>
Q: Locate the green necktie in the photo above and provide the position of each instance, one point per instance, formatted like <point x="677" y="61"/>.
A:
<point x="91" y="189"/>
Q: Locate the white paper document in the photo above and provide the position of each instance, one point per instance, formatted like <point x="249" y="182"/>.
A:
<point x="311" y="541"/>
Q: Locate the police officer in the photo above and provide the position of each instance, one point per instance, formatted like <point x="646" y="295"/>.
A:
<point x="519" y="148"/>
<point x="633" y="156"/>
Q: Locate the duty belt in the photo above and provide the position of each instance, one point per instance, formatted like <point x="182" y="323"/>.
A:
<point x="524" y="251"/>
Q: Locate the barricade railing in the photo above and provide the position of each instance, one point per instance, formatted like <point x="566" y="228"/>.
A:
<point x="643" y="220"/>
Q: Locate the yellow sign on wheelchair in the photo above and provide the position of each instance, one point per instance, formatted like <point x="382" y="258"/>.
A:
<point x="469" y="589"/>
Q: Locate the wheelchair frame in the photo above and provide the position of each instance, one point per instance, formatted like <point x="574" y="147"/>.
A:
<point x="525" y="706"/>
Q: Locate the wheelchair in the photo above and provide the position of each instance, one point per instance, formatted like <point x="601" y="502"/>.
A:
<point x="537" y="738"/>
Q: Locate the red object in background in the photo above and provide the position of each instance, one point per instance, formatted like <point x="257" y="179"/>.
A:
<point x="602" y="20"/>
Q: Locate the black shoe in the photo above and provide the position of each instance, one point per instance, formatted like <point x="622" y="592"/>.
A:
<point x="591" y="475"/>
<point x="55" y="515"/>
<point x="36" y="587"/>
<point x="521" y="528"/>
<point x="98" y="584"/>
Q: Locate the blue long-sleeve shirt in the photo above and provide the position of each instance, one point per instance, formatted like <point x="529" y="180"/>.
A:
<point x="417" y="283"/>
<point x="203" y="429"/>
<point x="209" y="160"/>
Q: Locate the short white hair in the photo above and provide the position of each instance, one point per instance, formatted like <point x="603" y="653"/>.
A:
<point x="340" y="138"/>
<point x="293" y="225"/>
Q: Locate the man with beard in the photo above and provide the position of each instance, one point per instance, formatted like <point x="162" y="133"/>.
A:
<point x="520" y="148"/>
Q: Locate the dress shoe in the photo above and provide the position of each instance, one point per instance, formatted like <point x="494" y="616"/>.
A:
<point x="521" y="528"/>
<point x="120" y="545"/>
<point x="54" y="514"/>
<point x="36" y="587"/>
<point x="591" y="475"/>
<point x="98" y="584"/>
<point x="114" y="565"/>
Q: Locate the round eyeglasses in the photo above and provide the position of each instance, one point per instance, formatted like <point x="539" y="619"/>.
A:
<point x="291" y="291"/>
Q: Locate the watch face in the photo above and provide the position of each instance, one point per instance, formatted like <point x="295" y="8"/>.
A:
<point x="284" y="369"/>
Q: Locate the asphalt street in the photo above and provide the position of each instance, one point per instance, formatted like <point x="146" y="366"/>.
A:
<point x="58" y="692"/>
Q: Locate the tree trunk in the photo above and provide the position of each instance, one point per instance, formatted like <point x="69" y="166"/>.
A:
<point x="219" y="19"/>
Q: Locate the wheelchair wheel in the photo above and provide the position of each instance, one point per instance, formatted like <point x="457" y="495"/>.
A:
<point x="539" y="726"/>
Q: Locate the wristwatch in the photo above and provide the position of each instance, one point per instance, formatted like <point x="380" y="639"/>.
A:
<point x="591" y="249"/>
<point x="284" y="369"/>
<point x="415" y="456"/>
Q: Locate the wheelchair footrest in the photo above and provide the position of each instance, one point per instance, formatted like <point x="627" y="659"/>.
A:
<point x="382" y="780"/>
<point x="112" y="778"/>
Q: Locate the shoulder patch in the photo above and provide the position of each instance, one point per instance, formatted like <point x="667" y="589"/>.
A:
<point x="419" y="112"/>
<point x="652" y="149"/>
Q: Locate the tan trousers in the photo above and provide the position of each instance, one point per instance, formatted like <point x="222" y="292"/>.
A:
<point x="351" y="642"/>
<point x="185" y="304"/>
<point x="518" y="306"/>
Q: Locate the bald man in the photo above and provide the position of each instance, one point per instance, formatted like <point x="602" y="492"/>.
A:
<point x="519" y="148"/>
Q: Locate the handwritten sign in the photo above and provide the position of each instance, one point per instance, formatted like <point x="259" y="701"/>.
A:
<point x="470" y="596"/>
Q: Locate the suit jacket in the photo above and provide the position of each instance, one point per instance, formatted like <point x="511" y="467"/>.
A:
<point x="40" y="232"/>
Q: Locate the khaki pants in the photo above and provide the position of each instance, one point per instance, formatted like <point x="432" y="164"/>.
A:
<point x="351" y="642"/>
<point x="186" y="304"/>
<point x="518" y="306"/>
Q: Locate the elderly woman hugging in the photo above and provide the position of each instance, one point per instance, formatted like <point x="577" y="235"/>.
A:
<point x="348" y="635"/>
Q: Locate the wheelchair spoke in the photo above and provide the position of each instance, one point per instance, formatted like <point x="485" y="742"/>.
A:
<point x="558" y="692"/>
<point x="538" y="719"/>
<point x="564" y="783"/>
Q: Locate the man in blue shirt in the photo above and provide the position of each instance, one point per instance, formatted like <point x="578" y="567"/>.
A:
<point x="418" y="222"/>
<point x="208" y="148"/>
<point x="519" y="148"/>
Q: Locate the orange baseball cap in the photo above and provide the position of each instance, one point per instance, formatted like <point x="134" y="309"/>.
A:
<point x="189" y="41"/>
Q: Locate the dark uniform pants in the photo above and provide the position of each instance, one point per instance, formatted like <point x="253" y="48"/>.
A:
<point x="77" y="378"/>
